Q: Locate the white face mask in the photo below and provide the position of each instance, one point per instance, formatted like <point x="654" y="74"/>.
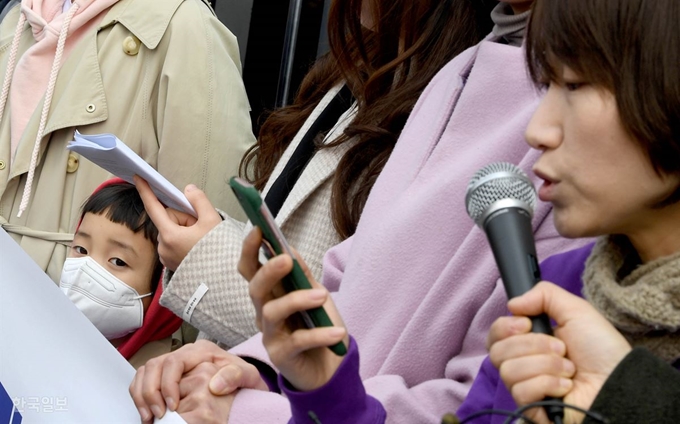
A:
<point x="113" y="307"/>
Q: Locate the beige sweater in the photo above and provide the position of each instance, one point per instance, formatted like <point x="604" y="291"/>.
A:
<point x="642" y="301"/>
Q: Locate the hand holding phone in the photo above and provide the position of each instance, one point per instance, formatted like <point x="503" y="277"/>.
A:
<point x="259" y="215"/>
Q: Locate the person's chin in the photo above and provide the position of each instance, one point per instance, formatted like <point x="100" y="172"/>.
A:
<point x="568" y="227"/>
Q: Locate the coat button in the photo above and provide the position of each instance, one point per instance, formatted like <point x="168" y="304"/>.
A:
<point x="72" y="164"/>
<point x="90" y="108"/>
<point x="2" y="165"/>
<point x="131" y="45"/>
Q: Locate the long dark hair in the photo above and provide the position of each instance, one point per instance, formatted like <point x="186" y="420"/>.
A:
<point x="386" y="69"/>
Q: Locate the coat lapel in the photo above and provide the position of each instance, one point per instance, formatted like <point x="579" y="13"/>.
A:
<point x="318" y="171"/>
<point x="322" y="165"/>
<point x="79" y="97"/>
<point x="79" y="90"/>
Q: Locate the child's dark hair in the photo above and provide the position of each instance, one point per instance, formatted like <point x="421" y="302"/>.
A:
<point x="120" y="202"/>
<point x="628" y="47"/>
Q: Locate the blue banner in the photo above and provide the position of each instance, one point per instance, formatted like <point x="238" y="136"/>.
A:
<point x="8" y="412"/>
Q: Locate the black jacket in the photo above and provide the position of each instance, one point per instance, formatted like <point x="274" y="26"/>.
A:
<point x="642" y="389"/>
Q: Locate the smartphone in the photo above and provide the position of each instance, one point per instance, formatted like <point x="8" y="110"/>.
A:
<point x="258" y="213"/>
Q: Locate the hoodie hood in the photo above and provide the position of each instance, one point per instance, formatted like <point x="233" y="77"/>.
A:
<point x="159" y="323"/>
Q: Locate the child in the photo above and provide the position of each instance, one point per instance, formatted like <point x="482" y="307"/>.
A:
<point x="113" y="270"/>
<point x="125" y="67"/>
<point x="609" y="136"/>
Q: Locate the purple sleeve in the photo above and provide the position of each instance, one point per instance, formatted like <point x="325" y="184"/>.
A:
<point x="481" y="393"/>
<point x="342" y="400"/>
<point x="267" y="373"/>
<point x="488" y="390"/>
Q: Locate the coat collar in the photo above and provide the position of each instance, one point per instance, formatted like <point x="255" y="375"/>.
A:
<point x="319" y="170"/>
<point x="147" y="20"/>
<point x="80" y="86"/>
<point x="322" y="165"/>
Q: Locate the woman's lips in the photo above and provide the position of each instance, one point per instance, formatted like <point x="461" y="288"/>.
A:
<point x="547" y="190"/>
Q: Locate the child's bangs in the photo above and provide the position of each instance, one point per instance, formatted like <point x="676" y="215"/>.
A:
<point x="131" y="214"/>
<point x="120" y="203"/>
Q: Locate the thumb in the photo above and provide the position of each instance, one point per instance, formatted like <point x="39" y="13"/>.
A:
<point x="232" y="377"/>
<point x="200" y="202"/>
<point x="548" y="298"/>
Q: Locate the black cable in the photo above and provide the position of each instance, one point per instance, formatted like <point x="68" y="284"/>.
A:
<point x="519" y="413"/>
<point x="555" y="412"/>
<point x="507" y="413"/>
<point x="591" y="414"/>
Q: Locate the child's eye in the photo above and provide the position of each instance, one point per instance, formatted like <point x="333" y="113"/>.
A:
<point x="79" y="250"/>
<point x="117" y="262"/>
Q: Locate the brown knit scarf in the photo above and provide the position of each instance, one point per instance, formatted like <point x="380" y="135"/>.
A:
<point x="643" y="302"/>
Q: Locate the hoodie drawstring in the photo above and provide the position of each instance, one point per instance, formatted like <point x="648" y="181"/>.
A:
<point x="56" y="65"/>
<point x="11" y="64"/>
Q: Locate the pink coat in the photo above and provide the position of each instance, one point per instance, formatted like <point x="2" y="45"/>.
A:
<point x="417" y="285"/>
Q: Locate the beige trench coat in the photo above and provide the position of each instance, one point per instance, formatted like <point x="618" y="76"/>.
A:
<point x="177" y="99"/>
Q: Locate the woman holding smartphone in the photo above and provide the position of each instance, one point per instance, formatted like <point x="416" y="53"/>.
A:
<point x="316" y="160"/>
<point x="608" y="130"/>
<point x="416" y="285"/>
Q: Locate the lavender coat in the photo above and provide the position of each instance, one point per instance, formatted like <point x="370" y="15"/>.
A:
<point x="417" y="285"/>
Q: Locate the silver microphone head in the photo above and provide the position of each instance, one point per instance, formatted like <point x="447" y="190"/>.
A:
<point x="497" y="186"/>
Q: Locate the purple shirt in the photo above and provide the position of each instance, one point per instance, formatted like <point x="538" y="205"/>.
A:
<point x="342" y="400"/>
<point x="488" y="390"/>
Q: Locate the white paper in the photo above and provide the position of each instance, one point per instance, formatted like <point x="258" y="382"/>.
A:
<point x="51" y="352"/>
<point x="108" y="152"/>
<point x="170" y="418"/>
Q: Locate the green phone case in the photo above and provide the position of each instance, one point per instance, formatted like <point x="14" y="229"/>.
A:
<point x="257" y="212"/>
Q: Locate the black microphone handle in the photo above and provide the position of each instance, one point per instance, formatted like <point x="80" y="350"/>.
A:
<point x="512" y="242"/>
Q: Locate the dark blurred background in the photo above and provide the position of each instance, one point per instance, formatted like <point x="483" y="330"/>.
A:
<point x="261" y="27"/>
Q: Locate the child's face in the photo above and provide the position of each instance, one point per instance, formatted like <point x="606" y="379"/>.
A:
<point x="125" y="254"/>
<point x="597" y="176"/>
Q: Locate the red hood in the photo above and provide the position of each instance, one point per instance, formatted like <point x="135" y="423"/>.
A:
<point x="159" y="323"/>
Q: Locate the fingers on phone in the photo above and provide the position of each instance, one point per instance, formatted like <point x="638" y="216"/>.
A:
<point x="306" y="339"/>
<point x="249" y="264"/>
<point x="276" y="311"/>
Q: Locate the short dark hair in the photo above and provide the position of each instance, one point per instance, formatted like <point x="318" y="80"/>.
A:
<point x="629" y="47"/>
<point x="121" y="203"/>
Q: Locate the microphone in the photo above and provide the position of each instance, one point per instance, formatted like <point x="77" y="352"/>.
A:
<point x="500" y="199"/>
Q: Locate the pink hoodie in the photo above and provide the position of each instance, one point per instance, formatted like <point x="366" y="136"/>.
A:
<point x="55" y="34"/>
<point x="33" y="68"/>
